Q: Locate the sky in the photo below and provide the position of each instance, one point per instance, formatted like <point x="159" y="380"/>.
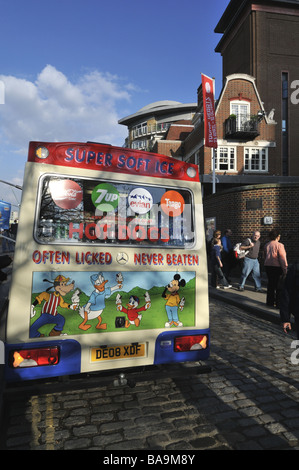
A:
<point x="70" y="69"/>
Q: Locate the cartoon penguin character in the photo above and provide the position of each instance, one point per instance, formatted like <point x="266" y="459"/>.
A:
<point x="173" y="301"/>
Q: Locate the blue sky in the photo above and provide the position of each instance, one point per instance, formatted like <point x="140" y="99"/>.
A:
<point x="70" y="69"/>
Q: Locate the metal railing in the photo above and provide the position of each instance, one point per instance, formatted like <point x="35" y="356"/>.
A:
<point x="242" y="125"/>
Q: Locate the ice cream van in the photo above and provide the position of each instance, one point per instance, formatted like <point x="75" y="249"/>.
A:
<point x="110" y="267"/>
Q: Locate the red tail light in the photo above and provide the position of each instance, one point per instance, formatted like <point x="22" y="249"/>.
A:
<point x="190" y="343"/>
<point x="34" y="357"/>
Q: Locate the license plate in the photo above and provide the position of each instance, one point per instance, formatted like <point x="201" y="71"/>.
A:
<point x="118" y="352"/>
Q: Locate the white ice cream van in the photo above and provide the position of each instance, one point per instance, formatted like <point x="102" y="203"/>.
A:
<point x="110" y="265"/>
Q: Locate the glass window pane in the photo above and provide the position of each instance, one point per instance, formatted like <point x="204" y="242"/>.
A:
<point x="255" y="159"/>
<point x="81" y="210"/>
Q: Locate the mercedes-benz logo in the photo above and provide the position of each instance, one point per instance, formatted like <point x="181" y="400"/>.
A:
<point x="122" y="258"/>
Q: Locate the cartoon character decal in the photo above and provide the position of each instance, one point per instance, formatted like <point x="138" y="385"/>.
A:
<point x="132" y="310"/>
<point x="52" y="300"/>
<point x="96" y="302"/>
<point x="92" y="302"/>
<point x="173" y="301"/>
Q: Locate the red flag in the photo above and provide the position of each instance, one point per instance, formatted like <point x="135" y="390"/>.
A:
<point x="209" y="111"/>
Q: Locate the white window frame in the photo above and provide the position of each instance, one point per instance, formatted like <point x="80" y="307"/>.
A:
<point x="255" y="159"/>
<point x="242" y="116"/>
<point x="139" y="144"/>
<point x="140" y="129"/>
<point x="220" y="164"/>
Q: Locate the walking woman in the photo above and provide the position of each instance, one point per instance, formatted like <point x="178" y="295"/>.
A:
<point x="217" y="266"/>
<point x="276" y="266"/>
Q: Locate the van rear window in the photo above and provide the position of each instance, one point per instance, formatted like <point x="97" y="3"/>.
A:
<point x="72" y="210"/>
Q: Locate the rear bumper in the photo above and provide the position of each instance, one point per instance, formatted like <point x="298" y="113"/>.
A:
<point x="70" y="356"/>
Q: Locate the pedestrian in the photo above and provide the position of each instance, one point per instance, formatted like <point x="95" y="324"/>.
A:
<point x="216" y="266"/>
<point x="14" y="229"/>
<point x="251" y="262"/>
<point x="276" y="267"/>
<point x="210" y="243"/>
<point x="289" y="298"/>
<point x="228" y="258"/>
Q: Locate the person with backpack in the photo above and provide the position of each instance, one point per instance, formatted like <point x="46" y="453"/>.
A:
<point x="289" y="299"/>
<point x="251" y="262"/>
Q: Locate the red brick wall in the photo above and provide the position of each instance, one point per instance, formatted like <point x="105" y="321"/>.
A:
<point x="172" y="149"/>
<point x="279" y="201"/>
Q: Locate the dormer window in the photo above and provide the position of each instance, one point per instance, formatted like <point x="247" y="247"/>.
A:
<point x="241" y="109"/>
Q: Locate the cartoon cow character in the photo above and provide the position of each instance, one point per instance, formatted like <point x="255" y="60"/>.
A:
<point x="173" y="301"/>
<point x="51" y="301"/>
<point x="132" y="310"/>
<point x="96" y="302"/>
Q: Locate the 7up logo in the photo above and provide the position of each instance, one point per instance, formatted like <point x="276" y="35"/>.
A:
<point x="105" y="197"/>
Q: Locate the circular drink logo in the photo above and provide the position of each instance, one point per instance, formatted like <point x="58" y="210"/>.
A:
<point x="140" y="200"/>
<point x="208" y="87"/>
<point x="105" y="197"/>
<point x="172" y="203"/>
<point x="66" y="194"/>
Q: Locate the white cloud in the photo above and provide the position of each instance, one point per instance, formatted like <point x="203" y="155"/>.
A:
<point x="52" y="108"/>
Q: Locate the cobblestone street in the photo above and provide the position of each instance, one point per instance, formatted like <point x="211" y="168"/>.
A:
<point x="249" y="400"/>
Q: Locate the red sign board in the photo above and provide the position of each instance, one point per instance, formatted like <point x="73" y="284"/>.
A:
<point x="102" y="157"/>
<point x="209" y="111"/>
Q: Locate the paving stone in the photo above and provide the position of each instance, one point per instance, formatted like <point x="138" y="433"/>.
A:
<point x="77" y="444"/>
<point x="88" y="430"/>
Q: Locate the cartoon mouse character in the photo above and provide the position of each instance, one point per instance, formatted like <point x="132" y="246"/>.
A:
<point x="96" y="303"/>
<point x="133" y="311"/>
<point x="52" y="300"/>
<point x="173" y="301"/>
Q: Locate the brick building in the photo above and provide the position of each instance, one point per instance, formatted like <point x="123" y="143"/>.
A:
<point x="160" y="127"/>
<point x="260" y="38"/>
<point x="245" y="138"/>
